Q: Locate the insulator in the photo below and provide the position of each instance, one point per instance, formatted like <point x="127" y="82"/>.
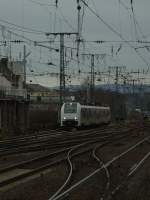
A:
<point x="79" y="7"/>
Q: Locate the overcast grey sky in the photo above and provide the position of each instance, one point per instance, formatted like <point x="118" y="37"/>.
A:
<point x="42" y="16"/>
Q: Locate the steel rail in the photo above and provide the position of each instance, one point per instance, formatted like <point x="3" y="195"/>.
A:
<point x="43" y="167"/>
<point x="37" y="170"/>
<point x="94" y="155"/>
<point x="18" y="138"/>
<point x="48" y="132"/>
<point x="48" y="155"/>
<point x="69" y="156"/>
<point x="105" y="168"/>
<point x="46" y="142"/>
<point x="70" y="173"/>
<point x="100" y="169"/>
<point x="133" y="170"/>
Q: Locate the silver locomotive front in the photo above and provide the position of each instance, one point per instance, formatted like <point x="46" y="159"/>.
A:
<point x="70" y="114"/>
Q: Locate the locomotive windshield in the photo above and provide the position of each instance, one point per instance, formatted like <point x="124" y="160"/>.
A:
<point x="70" y="108"/>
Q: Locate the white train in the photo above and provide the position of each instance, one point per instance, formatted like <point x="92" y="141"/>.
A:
<point x="75" y="114"/>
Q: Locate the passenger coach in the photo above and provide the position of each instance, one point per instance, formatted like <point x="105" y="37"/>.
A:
<point x="75" y="114"/>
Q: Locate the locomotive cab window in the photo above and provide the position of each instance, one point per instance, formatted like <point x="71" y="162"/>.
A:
<point x="70" y="108"/>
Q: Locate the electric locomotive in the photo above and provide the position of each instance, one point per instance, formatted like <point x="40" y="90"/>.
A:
<point x="76" y="115"/>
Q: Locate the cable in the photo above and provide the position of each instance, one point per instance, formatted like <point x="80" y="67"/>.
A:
<point x="123" y="4"/>
<point x="29" y="40"/>
<point x="41" y="4"/>
<point x="119" y="16"/>
<point x="136" y="21"/>
<point x="66" y="20"/>
<point x="133" y="15"/>
<point x="26" y="29"/>
<point x="97" y="41"/>
<point x="116" y="32"/>
<point x="14" y="33"/>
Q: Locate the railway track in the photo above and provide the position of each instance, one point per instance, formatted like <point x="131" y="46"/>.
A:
<point x="70" y="173"/>
<point x="131" y="173"/>
<point x="57" y="145"/>
<point x="66" y="150"/>
<point x="105" y="166"/>
<point x="8" y="174"/>
<point x="107" y="173"/>
<point x="46" y="141"/>
<point x="130" y="170"/>
<point x="52" y="134"/>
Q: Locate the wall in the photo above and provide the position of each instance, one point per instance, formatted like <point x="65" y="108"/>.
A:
<point x="42" y="115"/>
<point x="13" y="116"/>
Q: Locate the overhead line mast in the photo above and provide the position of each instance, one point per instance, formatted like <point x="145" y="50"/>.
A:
<point x="79" y="26"/>
<point x="62" y="83"/>
<point x="92" y="80"/>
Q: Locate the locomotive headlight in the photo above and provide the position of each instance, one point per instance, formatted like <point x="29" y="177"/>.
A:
<point x="75" y="118"/>
<point x="64" y="117"/>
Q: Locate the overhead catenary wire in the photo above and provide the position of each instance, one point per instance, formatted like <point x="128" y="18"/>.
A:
<point x="22" y="28"/>
<point x="136" y="21"/>
<point x="115" y="32"/>
<point x="66" y="20"/>
<point x="72" y="27"/>
<point x="40" y="3"/>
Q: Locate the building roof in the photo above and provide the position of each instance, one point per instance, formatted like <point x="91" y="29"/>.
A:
<point x="36" y="88"/>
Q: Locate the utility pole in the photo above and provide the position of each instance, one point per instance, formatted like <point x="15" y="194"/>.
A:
<point x="78" y="26"/>
<point x="24" y="64"/>
<point x="133" y="86"/>
<point x="92" y="82"/>
<point x="25" y="55"/>
<point x="62" y="70"/>
<point x="62" y="83"/>
<point x="118" y="70"/>
<point x="117" y="78"/>
<point x="117" y="110"/>
<point x="92" y="88"/>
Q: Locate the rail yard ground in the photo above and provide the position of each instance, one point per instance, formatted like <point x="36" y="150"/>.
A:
<point x="102" y="163"/>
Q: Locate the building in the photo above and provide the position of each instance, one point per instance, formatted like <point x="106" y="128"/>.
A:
<point x="13" y="97"/>
<point x="39" y="93"/>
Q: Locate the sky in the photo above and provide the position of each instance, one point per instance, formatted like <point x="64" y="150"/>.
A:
<point x="114" y="24"/>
